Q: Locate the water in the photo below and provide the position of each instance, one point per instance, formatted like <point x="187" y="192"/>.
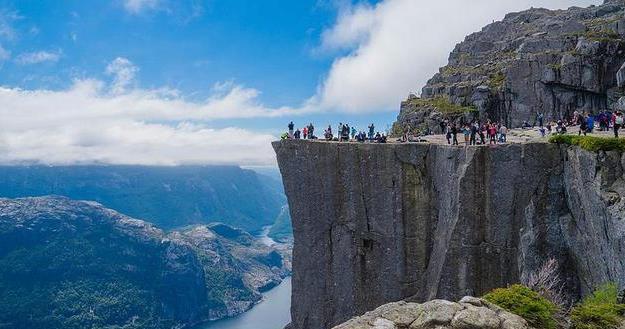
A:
<point x="273" y="313"/>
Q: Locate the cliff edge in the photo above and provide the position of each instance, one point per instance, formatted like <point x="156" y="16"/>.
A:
<point x="378" y="223"/>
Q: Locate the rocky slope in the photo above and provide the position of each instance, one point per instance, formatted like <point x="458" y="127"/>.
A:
<point x="549" y="61"/>
<point x="169" y="197"/>
<point x="73" y="264"/>
<point x="470" y="312"/>
<point x="378" y="223"/>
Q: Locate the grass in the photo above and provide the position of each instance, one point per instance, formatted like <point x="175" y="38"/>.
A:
<point x="443" y="105"/>
<point x="497" y="80"/>
<point x="526" y="303"/>
<point x="591" y="143"/>
<point x="599" y="310"/>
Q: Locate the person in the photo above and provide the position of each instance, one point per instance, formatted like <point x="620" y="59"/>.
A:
<point x="549" y="127"/>
<point x="492" y="133"/>
<point x="454" y="134"/>
<point x="443" y="125"/>
<point x="482" y="135"/>
<point x="542" y="131"/>
<point x="474" y="128"/>
<point x="291" y="127"/>
<point x="540" y="117"/>
<point x="328" y="133"/>
<point x="466" y="131"/>
<point x="617" y="121"/>
<point x="561" y="128"/>
<point x="305" y="132"/>
<point x="353" y="132"/>
<point x="311" y="131"/>
<point x="371" y="131"/>
<point x="448" y="134"/>
<point x="590" y="123"/>
<point x="583" y="125"/>
<point x="503" y="132"/>
<point x="298" y="134"/>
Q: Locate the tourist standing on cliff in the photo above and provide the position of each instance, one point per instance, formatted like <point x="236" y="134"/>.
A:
<point x="503" y="133"/>
<point x="617" y="121"/>
<point x="305" y="132"/>
<point x="298" y="134"/>
<point x="583" y="125"/>
<point x="466" y="131"/>
<point x="354" y="132"/>
<point x="492" y="133"/>
<point x="371" y="132"/>
<point x="291" y="128"/>
<point x="454" y="134"/>
<point x="474" y="128"/>
<point x="311" y="131"/>
<point x="540" y="118"/>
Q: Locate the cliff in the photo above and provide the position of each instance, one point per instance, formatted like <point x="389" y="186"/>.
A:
<point x="74" y="264"/>
<point x="538" y="60"/>
<point x="378" y="223"/>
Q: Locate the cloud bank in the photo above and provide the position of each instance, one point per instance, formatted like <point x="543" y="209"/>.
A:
<point x="96" y="122"/>
<point x="397" y="45"/>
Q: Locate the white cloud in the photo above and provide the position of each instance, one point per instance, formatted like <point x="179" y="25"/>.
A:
<point x="38" y="57"/>
<point x="137" y="6"/>
<point x="88" y="124"/>
<point x="398" y="44"/>
<point x="124" y="72"/>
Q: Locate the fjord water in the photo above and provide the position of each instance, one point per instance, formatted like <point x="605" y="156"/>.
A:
<point x="273" y="313"/>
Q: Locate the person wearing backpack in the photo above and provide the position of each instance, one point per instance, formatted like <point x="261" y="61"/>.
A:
<point x="618" y="122"/>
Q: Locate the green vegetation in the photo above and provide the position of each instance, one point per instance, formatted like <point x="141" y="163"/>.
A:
<point x="521" y="300"/>
<point x="443" y="105"/>
<point x="599" y="310"/>
<point x="591" y="143"/>
<point x="497" y="80"/>
<point x="601" y="35"/>
<point x="557" y="66"/>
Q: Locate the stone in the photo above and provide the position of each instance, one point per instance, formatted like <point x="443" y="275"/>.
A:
<point x="473" y="317"/>
<point x="378" y="223"/>
<point x="437" y="314"/>
<point x="538" y="60"/>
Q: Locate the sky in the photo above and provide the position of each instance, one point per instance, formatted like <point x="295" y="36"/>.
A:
<point x="171" y="82"/>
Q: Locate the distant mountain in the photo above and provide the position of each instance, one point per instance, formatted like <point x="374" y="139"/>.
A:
<point x="73" y="264"/>
<point x="282" y="229"/>
<point x="169" y="197"/>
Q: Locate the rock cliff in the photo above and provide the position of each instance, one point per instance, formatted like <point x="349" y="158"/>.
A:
<point x="539" y="60"/>
<point x="378" y="223"/>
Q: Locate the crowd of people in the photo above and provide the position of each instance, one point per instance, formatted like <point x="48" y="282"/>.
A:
<point x="345" y="133"/>
<point x="474" y="133"/>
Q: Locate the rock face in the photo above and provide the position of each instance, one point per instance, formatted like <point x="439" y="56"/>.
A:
<point x="73" y="264"/>
<point x="378" y="223"/>
<point x="548" y="61"/>
<point x="470" y="312"/>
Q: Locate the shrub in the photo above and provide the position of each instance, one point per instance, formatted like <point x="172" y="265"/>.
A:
<point x="523" y="301"/>
<point x="591" y="143"/>
<point x="600" y="310"/>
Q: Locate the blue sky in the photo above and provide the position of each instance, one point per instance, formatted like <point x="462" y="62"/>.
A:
<point x="213" y="81"/>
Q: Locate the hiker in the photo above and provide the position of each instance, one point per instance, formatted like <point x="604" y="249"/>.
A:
<point x="466" y="131"/>
<point x="503" y="132"/>
<point x="542" y="131"/>
<point x="590" y="123"/>
<point x="298" y="134"/>
<point x="443" y="125"/>
<point x="371" y="132"/>
<point x="454" y="133"/>
<point x="448" y="134"/>
<point x="482" y="135"/>
<point x="617" y="121"/>
<point x="311" y="131"/>
<point x="305" y="132"/>
<point x="291" y="127"/>
<point x="328" y="133"/>
<point x="353" y="132"/>
<point x="583" y="125"/>
<point x="474" y="128"/>
<point x="492" y="134"/>
<point x="539" y="117"/>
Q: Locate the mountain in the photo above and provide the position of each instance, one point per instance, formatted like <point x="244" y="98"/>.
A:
<point x="549" y="61"/>
<point x="282" y="230"/>
<point x="77" y="264"/>
<point x="169" y="197"/>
